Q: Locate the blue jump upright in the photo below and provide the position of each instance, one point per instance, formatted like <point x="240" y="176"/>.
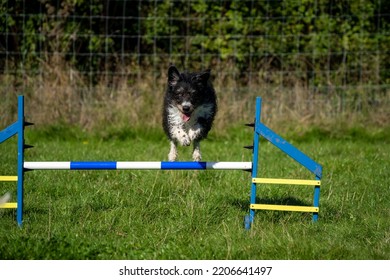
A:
<point x="17" y="128"/>
<point x="260" y="130"/>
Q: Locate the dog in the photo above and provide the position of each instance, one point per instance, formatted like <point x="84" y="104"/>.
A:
<point x="189" y="109"/>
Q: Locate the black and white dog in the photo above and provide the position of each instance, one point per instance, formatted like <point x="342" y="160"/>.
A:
<point x="189" y="109"/>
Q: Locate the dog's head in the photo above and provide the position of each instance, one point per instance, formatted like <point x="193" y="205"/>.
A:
<point x="187" y="90"/>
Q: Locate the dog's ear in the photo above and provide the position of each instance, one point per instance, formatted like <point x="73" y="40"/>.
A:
<point x="173" y="75"/>
<point x="206" y="75"/>
<point x="202" y="77"/>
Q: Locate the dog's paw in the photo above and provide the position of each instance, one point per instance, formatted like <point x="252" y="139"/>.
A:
<point x="185" y="140"/>
<point x="196" y="156"/>
<point x="172" y="156"/>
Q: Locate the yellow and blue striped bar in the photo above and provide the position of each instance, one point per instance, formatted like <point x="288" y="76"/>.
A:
<point x="9" y="205"/>
<point x="287" y="181"/>
<point x="311" y="209"/>
<point x="8" y="178"/>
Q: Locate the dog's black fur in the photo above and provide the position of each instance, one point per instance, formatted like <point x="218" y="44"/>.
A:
<point x="189" y="109"/>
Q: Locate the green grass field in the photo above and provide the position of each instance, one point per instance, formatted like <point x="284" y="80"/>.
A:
<point x="197" y="214"/>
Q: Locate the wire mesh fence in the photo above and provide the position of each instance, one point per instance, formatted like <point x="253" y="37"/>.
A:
<point x="311" y="57"/>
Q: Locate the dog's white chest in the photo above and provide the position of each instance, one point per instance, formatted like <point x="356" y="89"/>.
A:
<point x="185" y="132"/>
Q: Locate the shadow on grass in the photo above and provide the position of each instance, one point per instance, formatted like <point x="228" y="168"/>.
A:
<point x="278" y="216"/>
<point x="292" y="201"/>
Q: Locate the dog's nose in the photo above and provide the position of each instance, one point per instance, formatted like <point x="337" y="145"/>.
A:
<point x="186" y="108"/>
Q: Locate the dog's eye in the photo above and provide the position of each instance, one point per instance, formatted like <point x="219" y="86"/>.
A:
<point x="178" y="91"/>
<point x="178" y="94"/>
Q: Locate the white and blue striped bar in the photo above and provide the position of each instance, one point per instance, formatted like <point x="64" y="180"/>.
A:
<point x="145" y="165"/>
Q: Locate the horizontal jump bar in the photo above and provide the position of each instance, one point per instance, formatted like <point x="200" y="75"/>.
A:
<point x="8" y="178"/>
<point x="285" y="208"/>
<point x="146" y="165"/>
<point x="287" y="181"/>
<point x="9" y="205"/>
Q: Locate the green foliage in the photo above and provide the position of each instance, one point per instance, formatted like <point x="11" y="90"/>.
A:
<point x="326" y="42"/>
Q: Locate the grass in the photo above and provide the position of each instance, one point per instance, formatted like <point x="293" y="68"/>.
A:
<point x="197" y="214"/>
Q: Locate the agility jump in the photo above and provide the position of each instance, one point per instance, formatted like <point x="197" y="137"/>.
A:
<point x="145" y="165"/>
<point x="259" y="129"/>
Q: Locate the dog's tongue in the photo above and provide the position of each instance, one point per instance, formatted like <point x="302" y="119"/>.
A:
<point x="186" y="117"/>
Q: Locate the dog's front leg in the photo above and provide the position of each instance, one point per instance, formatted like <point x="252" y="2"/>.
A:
<point x="196" y="156"/>
<point x="180" y="135"/>
<point x="195" y="132"/>
<point x="172" y="152"/>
